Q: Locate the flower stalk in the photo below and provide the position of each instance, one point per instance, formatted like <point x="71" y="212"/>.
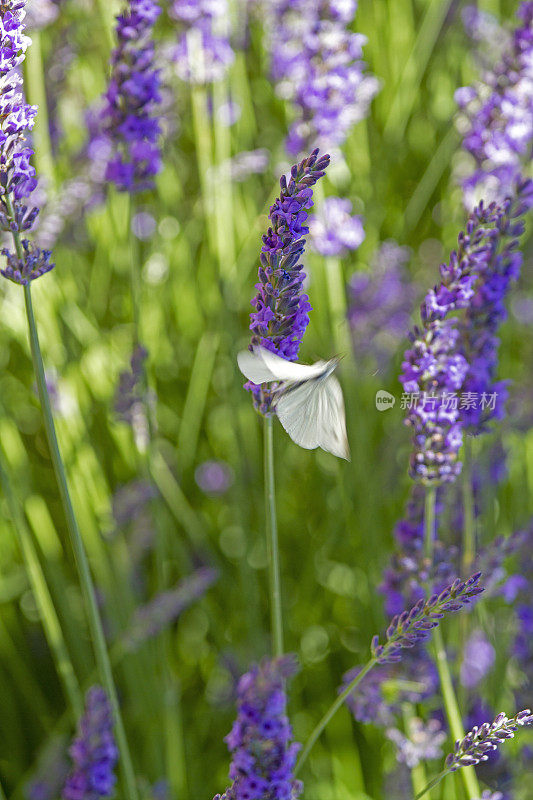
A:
<point x="451" y="705"/>
<point x="95" y="622"/>
<point x="276" y="612"/>
<point x="330" y="713"/>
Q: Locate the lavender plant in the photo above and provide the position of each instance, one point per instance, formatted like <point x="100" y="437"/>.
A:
<point x="18" y="180"/>
<point x="163" y="610"/>
<point x="479" y="742"/>
<point x="203" y="53"/>
<point x="379" y="305"/>
<point x="281" y="307"/>
<point x="130" y="116"/>
<point x="26" y="264"/>
<point x="263" y="757"/>
<point x="411" y="627"/>
<point x="278" y="324"/>
<point x="93" y="751"/>
<point x="404" y="632"/>
<point x="334" y="231"/>
<point x="496" y="118"/>
<point x="317" y="64"/>
<point x="449" y="355"/>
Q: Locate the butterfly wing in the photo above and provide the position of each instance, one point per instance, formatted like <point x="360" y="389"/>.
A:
<point x="313" y="416"/>
<point x="253" y="367"/>
<point x="289" y="371"/>
<point x="299" y="413"/>
<point x="261" y="366"/>
<point x="332" y="428"/>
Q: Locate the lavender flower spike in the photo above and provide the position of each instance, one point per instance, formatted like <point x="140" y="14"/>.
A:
<point x="414" y="626"/>
<point x="130" y="117"/>
<point x="17" y="176"/>
<point x="445" y="356"/>
<point x="93" y="751"/>
<point x="317" y="65"/>
<point x="263" y="759"/>
<point x="496" y="117"/>
<point x="281" y="308"/>
<point x="479" y="742"/>
<point x="151" y="619"/>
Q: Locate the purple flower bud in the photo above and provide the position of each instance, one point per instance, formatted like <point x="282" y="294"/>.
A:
<point x="130" y="114"/>
<point x="473" y="748"/>
<point x="281" y="308"/>
<point x="415" y="626"/>
<point x="263" y="757"/>
<point x="93" y="751"/>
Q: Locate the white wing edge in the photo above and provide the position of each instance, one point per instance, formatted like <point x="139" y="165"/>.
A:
<point x="261" y="366"/>
<point x="333" y="437"/>
<point x="253" y="367"/>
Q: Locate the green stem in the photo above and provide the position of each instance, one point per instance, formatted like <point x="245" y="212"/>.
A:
<point x="135" y="276"/>
<point x="448" y="693"/>
<point x="432" y="783"/>
<point x="95" y="623"/>
<point x="330" y="713"/>
<point x="47" y="611"/>
<point x="469" y="531"/>
<point x="429" y="522"/>
<point x="272" y="542"/>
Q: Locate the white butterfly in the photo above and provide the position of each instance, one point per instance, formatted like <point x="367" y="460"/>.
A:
<point x="308" y="402"/>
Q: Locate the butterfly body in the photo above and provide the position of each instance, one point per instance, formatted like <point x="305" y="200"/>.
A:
<point x="308" y="400"/>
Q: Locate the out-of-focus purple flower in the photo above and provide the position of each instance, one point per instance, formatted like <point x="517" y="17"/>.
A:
<point x="409" y="573"/>
<point x="281" y="308"/>
<point x="411" y="627"/>
<point x="40" y="14"/>
<point x="241" y="166"/>
<point x="422" y="743"/>
<point x="480" y="741"/>
<point x="380" y="303"/>
<point x="161" y="790"/>
<point x="523" y="643"/>
<point x="316" y="61"/>
<point x="496" y="269"/>
<point x="496" y="118"/>
<point x="203" y="53"/>
<point x="513" y="586"/>
<point x="484" y="28"/>
<point x="522" y="309"/>
<point x="143" y="225"/>
<point x="478" y="659"/>
<point x="130" y="499"/>
<point x="214" y="477"/>
<point x="93" y="751"/>
<point x="249" y="162"/>
<point x="381" y="694"/>
<point x="151" y="619"/>
<point x="130" y="117"/>
<point x="451" y="354"/>
<point x="263" y="757"/>
<point x="229" y="113"/>
<point x="132" y="399"/>
<point x="333" y="231"/>
<point x="52" y="769"/>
